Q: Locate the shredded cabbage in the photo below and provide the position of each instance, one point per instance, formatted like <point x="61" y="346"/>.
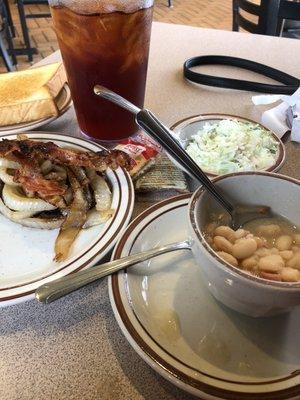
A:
<point x="231" y="146"/>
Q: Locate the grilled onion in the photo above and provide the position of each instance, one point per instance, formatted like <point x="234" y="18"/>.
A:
<point x="6" y="178"/>
<point x="56" y="187"/>
<point x="75" y="219"/>
<point x="4" y="162"/>
<point x="16" y="200"/>
<point x="95" y="217"/>
<point x="15" y="216"/>
<point x="101" y="190"/>
<point x="41" y="223"/>
<point x="83" y="180"/>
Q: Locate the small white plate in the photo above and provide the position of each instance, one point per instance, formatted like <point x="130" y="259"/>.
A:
<point x="26" y="254"/>
<point x="184" y="130"/>
<point x="63" y="102"/>
<point x="180" y="330"/>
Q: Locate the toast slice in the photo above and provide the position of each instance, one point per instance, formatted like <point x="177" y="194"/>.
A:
<point x="30" y="95"/>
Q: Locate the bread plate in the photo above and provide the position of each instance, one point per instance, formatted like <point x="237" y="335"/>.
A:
<point x="63" y="102"/>
<point x="26" y="257"/>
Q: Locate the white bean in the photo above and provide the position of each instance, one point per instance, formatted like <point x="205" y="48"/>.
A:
<point x="228" y="258"/>
<point x="272" y="263"/>
<point x="226" y="232"/>
<point x="223" y="244"/>
<point x="269" y="230"/>
<point x="262" y="252"/>
<point x="214" y="247"/>
<point x="286" y="254"/>
<point x="250" y="262"/>
<point x="290" y="275"/>
<point x="270" y="276"/>
<point x="240" y="233"/>
<point x="273" y="250"/>
<point x="261" y="242"/>
<point x="294" y="262"/>
<point x="296" y="238"/>
<point x="284" y="242"/>
<point x="244" y="248"/>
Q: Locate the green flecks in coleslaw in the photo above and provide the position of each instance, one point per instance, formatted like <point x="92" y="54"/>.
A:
<point x="232" y="146"/>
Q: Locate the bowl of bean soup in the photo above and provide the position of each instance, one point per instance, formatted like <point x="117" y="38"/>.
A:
<point x="255" y="269"/>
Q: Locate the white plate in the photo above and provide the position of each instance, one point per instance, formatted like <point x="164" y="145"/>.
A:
<point x="63" y="102"/>
<point x="26" y="254"/>
<point x="186" y="128"/>
<point x="176" y="326"/>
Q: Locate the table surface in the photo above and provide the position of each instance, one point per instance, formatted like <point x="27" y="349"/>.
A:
<point x="73" y="348"/>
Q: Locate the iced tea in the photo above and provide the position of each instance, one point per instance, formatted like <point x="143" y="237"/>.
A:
<point x="106" y="48"/>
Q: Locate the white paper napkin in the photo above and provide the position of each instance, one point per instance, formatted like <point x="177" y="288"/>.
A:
<point x="275" y="118"/>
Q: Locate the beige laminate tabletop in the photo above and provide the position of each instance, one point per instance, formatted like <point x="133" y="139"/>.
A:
<point x="73" y="348"/>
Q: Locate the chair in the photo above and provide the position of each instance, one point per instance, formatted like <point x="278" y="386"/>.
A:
<point x="271" y="15"/>
<point x="290" y="14"/>
<point x="20" y="4"/>
<point x="291" y="29"/>
<point x="9" y="18"/>
<point x="5" y="37"/>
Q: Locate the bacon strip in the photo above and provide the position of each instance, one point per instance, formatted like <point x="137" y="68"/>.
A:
<point x="32" y="180"/>
<point x="99" y="161"/>
<point x="27" y="152"/>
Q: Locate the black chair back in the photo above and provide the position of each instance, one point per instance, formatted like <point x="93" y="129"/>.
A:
<point x="270" y="14"/>
<point x="6" y="44"/>
<point x="289" y="9"/>
<point x="266" y="13"/>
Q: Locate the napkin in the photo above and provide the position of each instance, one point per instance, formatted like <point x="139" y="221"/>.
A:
<point x="275" y="118"/>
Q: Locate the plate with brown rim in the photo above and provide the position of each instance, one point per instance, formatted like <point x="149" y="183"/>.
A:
<point x="26" y="256"/>
<point x="63" y="102"/>
<point x="184" y="129"/>
<point x="168" y="316"/>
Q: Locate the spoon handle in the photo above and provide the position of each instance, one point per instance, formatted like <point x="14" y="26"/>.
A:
<point x="115" y="98"/>
<point x="149" y="123"/>
<point x="60" y="287"/>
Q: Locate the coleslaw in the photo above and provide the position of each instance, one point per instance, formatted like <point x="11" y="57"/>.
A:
<point x="232" y="146"/>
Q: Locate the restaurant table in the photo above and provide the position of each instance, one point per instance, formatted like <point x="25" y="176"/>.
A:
<point x="73" y="348"/>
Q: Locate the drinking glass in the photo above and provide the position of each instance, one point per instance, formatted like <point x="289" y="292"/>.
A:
<point x="104" y="42"/>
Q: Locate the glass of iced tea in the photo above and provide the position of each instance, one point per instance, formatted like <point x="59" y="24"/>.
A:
<point x="104" y="42"/>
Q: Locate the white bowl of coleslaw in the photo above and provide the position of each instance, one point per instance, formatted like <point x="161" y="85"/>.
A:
<point x="222" y="144"/>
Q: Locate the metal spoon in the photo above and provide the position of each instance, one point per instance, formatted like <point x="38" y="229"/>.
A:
<point x="60" y="287"/>
<point x="240" y="214"/>
<point x="146" y="120"/>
